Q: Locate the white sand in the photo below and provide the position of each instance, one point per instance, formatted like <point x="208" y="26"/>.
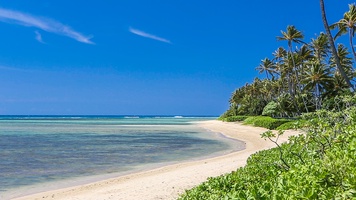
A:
<point x="170" y="181"/>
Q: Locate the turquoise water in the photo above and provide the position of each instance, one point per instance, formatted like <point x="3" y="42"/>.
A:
<point x="45" y="149"/>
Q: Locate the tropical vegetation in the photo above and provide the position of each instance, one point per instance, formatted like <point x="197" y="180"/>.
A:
<point x="313" y="82"/>
<point x="320" y="164"/>
<point x="299" y="80"/>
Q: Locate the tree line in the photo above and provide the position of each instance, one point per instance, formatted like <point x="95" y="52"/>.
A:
<point x="305" y="77"/>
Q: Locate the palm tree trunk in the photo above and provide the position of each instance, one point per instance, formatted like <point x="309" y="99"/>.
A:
<point x="351" y="44"/>
<point x="297" y="84"/>
<point x="291" y="86"/>
<point x="332" y="45"/>
<point x="317" y="97"/>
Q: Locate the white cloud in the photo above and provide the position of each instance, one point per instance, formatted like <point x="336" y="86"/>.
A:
<point x="49" y="25"/>
<point x="10" y="68"/>
<point x="39" y="37"/>
<point x="147" y="35"/>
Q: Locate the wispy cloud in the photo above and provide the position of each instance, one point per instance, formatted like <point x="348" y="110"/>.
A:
<point x="148" y="35"/>
<point x="6" y="68"/>
<point x="49" y="25"/>
<point x="39" y="37"/>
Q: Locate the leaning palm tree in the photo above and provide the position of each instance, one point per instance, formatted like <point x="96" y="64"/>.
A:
<point x="347" y="25"/>
<point x="332" y="45"/>
<point x="268" y="67"/>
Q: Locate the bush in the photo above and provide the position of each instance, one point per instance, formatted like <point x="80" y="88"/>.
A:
<point x="271" y="109"/>
<point x="234" y="118"/>
<point x="230" y="112"/>
<point x="295" y="124"/>
<point x="265" y="122"/>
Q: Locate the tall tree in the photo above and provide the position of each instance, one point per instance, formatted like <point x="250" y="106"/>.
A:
<point x="348" y="25"/>
<point x="320" y="47"/>
<point x="279" y="56"/>
<point x="292" y="35"/>
<point x="345" y="61"/>
<point x="332" y="45"/>
<point x="304" y="54"/>
<point x="266" y="66"/>
<point x="317" y="77"/>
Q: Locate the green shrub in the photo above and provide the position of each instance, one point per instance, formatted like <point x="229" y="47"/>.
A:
<point x="271" y="109"/>
<point x="269" y="123"/>
<point x="234" y="118"/>
<point x="265" y="122"/>
<point x="250" y="120"/>
<point x="295" y="124"/>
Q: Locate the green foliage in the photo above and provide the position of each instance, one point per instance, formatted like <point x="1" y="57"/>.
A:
<point x="233" y="118"/>
<point x="320" y="164"/>
<point x="302" y="79"/>
<point x="251" y="98"/>
<point x="271" y="109"/>
<point x="266" y="122"/>
<point x="295" y="124"/>
<point x="340" y="102"/>
<point x="230" y="112"/>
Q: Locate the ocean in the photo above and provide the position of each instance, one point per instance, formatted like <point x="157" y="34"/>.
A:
<point x="39" y="153"/>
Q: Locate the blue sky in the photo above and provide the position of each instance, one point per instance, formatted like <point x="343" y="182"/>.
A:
<point x="135" y="57"/>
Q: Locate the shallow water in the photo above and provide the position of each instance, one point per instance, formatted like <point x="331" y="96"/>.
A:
<point x="37" y="150"/>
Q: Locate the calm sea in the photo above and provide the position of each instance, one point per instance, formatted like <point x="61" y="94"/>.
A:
<point x="43" y="152"/>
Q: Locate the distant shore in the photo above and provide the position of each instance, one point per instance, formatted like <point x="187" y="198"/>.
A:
<point x="169" y="182"/>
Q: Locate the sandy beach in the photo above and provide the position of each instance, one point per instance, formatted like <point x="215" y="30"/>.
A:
<point x="169" y="182"/>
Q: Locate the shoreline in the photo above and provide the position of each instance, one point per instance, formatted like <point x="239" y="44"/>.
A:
<point x="168" y="182"/>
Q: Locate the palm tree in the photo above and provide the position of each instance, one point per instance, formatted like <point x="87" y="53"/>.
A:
<point x="266" y="66"/>
<point x="292" y="35"/>
<point x="337" y="87"/>
<point x="318" y="77"/>
<point x="347" y="24"/>
<point x="287" y="72"/>
<point x="268" y="90"/>
<point x="279" y="55"/>
<point x="304" y="54"/>
<point x="285" y="105"/>
<point x="320" y="47"/>
<point x="332" y="45"/>
<point x="345" y="61"/>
